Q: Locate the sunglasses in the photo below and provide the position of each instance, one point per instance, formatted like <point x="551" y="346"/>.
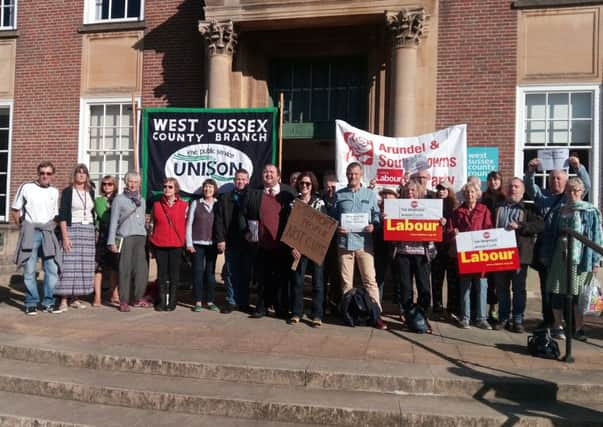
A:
<point x="108" y="183"/>
<point x="45" y="173"/>
<point x="168" y="186"/>
<point x="305" y="183"/>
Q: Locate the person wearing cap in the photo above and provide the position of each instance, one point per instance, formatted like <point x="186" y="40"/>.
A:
<point x="443" y="264"/>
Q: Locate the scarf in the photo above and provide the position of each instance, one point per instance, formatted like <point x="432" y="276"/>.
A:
<point x="133" y="195"/>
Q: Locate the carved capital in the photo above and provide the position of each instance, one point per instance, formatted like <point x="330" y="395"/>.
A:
<point x="220" y="37"/>
<point x="406" y="27"/>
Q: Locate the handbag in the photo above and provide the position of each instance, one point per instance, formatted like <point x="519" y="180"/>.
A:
<point x="541" y="344"/>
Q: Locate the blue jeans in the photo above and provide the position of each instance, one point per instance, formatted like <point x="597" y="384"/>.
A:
<point x="517" y="278"/>
<point x="204" y="273"/>
<point x="237" y="274"/>
<point x="318" y="289"/>
<point x="467" y="281"/>
<point x="51" y="275"/>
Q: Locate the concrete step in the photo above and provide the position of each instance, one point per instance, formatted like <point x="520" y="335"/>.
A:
<point x="278" y="403"/>
<point x="18" y="410"/>
<point x="344" y="375"/>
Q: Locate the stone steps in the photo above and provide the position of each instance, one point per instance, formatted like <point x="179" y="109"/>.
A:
<point x="35" y="411"/>
<point x="279" y="403"/>
<point x="288" y="391"/>
<point x="366" y="376"/>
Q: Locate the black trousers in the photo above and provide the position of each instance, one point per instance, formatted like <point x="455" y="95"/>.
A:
<point x="274" y="271"/>
<point x="416" y="266"/>
<point x="168" y="275"/>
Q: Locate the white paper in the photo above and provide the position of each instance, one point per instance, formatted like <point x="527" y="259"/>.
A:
<point x="553" y="159"/>
<point x="253" y="230"/>
<point x="354" y="222"/>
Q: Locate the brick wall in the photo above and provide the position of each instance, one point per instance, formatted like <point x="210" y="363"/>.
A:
<point x="477" y="62"/>
<point x="173" y="71"/>
<point x="47" y="89"/>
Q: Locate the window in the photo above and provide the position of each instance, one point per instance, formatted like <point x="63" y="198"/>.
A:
<point x="8" y="13"/>
<point x="560" y="117"/>
<point x="319" y="91"/>
<point x="108" y="147"/>
<point x="5" y="135"/>
<point x="113" y="10"/>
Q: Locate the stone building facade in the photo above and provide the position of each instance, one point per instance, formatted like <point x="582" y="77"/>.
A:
<point x="523" y="75"/>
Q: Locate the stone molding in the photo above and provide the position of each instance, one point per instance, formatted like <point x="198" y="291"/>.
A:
<point x="406" y="27"/>
<point x="220" y="37"/>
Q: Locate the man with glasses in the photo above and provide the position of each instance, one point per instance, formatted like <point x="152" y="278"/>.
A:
<point x="34" y="209"/>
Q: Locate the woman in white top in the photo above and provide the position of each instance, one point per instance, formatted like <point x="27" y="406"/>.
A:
<point x="76" y="220"/>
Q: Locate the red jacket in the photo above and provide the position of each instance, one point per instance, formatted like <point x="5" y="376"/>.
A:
<point x="165" y="234"/>
<point x="464" y="220"/>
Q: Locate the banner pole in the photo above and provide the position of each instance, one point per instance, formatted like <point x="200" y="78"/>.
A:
<point x="135" y="133"/>
<point x="280" y="131"/>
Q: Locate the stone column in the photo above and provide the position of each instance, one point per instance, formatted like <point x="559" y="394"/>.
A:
<point x="220" y="38"/>
<point x="406" y="29"/>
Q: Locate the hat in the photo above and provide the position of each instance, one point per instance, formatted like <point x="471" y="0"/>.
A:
<point x="444" y="184"/>
<point x="385" y="191"/>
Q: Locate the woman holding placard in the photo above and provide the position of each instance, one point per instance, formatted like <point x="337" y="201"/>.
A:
<point x="585" y="219"/>
<point x="412" y="259"/>
<point x="307" y="186"/>
<point x="471" y="216"/>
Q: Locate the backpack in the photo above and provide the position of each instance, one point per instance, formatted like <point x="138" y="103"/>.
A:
<point x="416" y="320"/>
<point x="358" y="308"/>
<point x="541" y="344"/>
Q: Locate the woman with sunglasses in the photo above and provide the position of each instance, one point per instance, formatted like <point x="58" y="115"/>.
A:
<point x="76" y="221"/>
<point x="307" y="186"/>
<point x="106" y="261"/>
<point x="167" y="239"/>
<point x="199" y="242"/>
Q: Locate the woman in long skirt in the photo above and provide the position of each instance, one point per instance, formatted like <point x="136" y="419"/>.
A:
<point x="76" y="220"/>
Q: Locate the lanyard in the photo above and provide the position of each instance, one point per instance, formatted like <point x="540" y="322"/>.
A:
<point x="84" y="199"/>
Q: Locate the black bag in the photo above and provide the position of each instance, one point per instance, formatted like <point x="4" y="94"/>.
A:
<point x="541" y="344"/>
<point x="416" y="320"/>
<point x="358" y="308"/>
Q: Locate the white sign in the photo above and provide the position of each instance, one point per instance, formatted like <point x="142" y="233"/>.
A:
<point x="444" y="153"/>
<point x="553" y="159"/>
<point x="194" y="164"/>
<point x="492" y="238"/>
<point x="413" y="208"/>
<point x="354" y="222"/>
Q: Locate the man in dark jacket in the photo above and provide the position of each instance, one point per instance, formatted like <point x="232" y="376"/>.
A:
<point x="269" y="209"/>
<point x="514" y="214"/>
<point x="229" y="234"/>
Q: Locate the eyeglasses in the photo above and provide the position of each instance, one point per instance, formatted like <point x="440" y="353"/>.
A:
<point x="168" y="186"/>
<point x="110" y="184"/>
<point x="45" y="173"/>
<point x="305" y="183"/>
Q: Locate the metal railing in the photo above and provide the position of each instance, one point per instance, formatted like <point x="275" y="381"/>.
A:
<point x="568" y="237"/>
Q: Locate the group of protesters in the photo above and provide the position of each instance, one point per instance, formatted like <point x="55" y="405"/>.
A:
<point x="109" y="237"/>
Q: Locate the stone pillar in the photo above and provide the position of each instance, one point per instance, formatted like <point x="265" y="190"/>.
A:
<point x="220" y="38"/>
<point x="406" y="29"/>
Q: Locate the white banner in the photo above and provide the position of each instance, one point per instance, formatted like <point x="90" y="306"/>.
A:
<point x="443" y="153"/>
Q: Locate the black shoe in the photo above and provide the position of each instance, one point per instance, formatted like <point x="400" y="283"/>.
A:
<point x="500" y="326"/>
<point x="246" y="309"/>
<point x="257" y="314"/>
<point x="228" y="308"/>
<point x="518" y="328"/>
<point x="580" y="335"/>
<point x="31" y="311"/>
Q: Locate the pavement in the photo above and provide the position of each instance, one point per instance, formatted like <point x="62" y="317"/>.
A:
<point x="453" y="362"/>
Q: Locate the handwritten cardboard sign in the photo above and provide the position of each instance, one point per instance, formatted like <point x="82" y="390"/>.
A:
<point x="483" y="251"/>
<point x="309" y="231"/>
<point x="413" y="220"/>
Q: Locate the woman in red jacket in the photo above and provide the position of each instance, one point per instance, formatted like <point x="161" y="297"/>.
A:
<point x="167" y="240"/>
<point x="471" y="216"/>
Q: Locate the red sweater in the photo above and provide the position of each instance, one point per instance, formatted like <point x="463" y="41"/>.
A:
<point x="164" y="234"/>
<point x="464" y="220"/>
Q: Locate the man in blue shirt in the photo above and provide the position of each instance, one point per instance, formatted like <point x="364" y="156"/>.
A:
<point x="357" y="246"/>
